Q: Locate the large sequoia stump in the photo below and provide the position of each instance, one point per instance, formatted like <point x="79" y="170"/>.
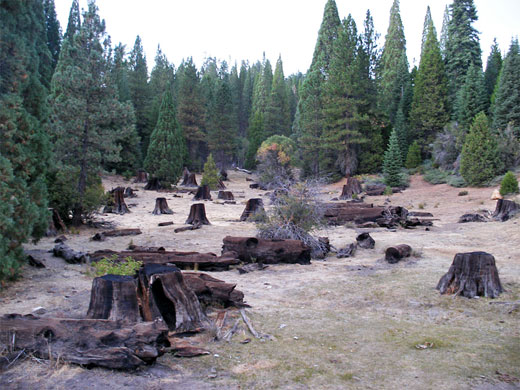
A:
<point x="365" y="241"/>
<point x="197" y="215"/>
<point x="472" y="274"/>
<point x="142" y="176"/>
<point x="153" y="184"/>
<point x="114" y="297"/>
<point x="254" y="206"/>
<point x="396" y="253"/>
<point x="505" y="210"/>
<point x="252" y="249"/>
<point x="226" y="195"/>
<point x="203" y="193"/>
<point x="120" y="206"/>
<point x="353" y="187"/>
<point x="212" y="291"/>
<point x="161" y="207"/>
<point x="163" y="294"/>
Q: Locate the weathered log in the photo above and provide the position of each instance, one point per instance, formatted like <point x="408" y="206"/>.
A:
<point x="203" y="193"/>
<point x="87" y="342"/>
<point x="396" y="253"/>
<point x="353" y="187"/>
<point x="129" y="193"/>
<point x="505" y="210"/>
<point x="35" y="262"/>
<point x="375" y="189"/>
<point x="183" y="260"/>
<point x="357" y="212"/>
<point x="189" y="179"/>
<point x="120" y="206"/>
<point x="69" y="255"/>
<point x="161" y="207"/>
<point x="472" y="274"/>
<point x="422" y="214"/>
<point x="165" y="223"/>
<point x="250" y="267"/>
<point x="197" y="215"/>
<point x="116" y="233"/>
<point x="365" y="241"/>
<point x="225" y="195"/>
<point x="243" y="170"/>
<point x="153" y="184"/>
<point x="142" y="176"/>
<point x="254" y="207"/>
<point x="163" y="294"/>
<point x="252" y="249"/>
<point x="186" y="228"/>
<point x="348" y="251"/>
<point x="138" y="248"/>
<point x="472" y="217"/>
<point x="114" y="297"/>
<point x="212" y="291"/>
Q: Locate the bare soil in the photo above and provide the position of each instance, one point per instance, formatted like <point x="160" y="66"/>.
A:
<point x="351" y="323"/>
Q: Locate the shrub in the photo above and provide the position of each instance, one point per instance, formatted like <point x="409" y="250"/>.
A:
<point x="110" y="265"/>
<point x="456" y="181"/>
<point x="509" y="184"/>
<point x="276" y="156"/>
<point x="210" y="174"/>
<point x="413" y="157"/>
<point x="436" y="176"/>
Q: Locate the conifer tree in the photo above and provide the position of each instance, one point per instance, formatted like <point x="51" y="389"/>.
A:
<point x="244" y="111"/>
<point x="120" y="73"/>
<point x="222" y="134"/>
<point x="493" y="67"/>
<point x="53" y="31"/>
<point x="401" y="131"/>
<point x="277" y="120"/>
<point x="444" y="32"/>
<point x="167" y="148"/>
<point x="210" y="174"/>
<point x="74" y="23"/>
<point x="393" y="162"/>
<point x="428" y="23"/>
<point x="472" y="99"/>
<point x="480" y="160"/>
<point x="262" y="88"/>
<point x="413" y="156"/>
<point x="255" y="136"/>
<point x="327" y="34"/>
<point x="507" y="100"/>
<point x="509" y="184"/>
<point x="161" y="77"/>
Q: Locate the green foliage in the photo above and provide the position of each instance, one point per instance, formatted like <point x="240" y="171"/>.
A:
<point x="53" y="31"/>
<point x="210" y="175"/>
<point x="436" y="176"/>
<point x="111" y="266"/>
<point x="471" y="99"/>
<point x="255" y="137"/>
<point x="413" y="157"/>
<point x="507" y="100"/>
<point x="480" y="159"/>
<point x="277" y="115"/>
<point x="276" y="155"/>
<point x="493" y="67"/>
<point x="509" y="184"/>
<point x="456" y="181"/>
<point x="393" y="162"/>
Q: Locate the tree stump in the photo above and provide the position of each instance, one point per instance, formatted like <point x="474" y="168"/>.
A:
<point x="203" y="193"/>
<point x="353" y="187"/>
<point x="472" y="274"/>
<point x="254" y="206"/>
<point x="120" y="206"/>
<point x="129" y="193"/>
<point x="153" y="184"/>
<point x="365" y="241"/>
<point x="188" y="179"/>
<point x="505" y="210"/>
<point x="55" y="224"/>
<point x="221" y="185"/>
<point x="163" y="294"/>
<point x="161" y="207"/>
<point x="142" y="176"/>
<point x="114" y="297"/>
<point x="197" y="215"/>
<point x="396" y="253"/>
<point x="348" y="251"/>
<point x="223" y="175"/>
<point x="225" y="195"/>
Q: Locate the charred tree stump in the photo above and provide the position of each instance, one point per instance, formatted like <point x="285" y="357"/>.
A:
<point x="153" y="184"/>
<point x="120" y="206"/>
<point x="365" y="241"/>
<point x="505" y="210"/>
<point x="129" y="193"/>
<point x="254" y="206"/>
<point x="189" y="179"/>
<point x="472" y="274"/>
<point x="142" y="177"/>
<point x="203" y="193"/>
<point x="161" y="207"/>
<point x="114" y="297"/>
<point x="212" y="291"/>
<point x="197" y="215"/>
<point x="353" y="187"/>
<point x="225" y="195"/>
<point x="163" y="294"/>
<point x="396" y="253"/>
<point x="348" y="251"/>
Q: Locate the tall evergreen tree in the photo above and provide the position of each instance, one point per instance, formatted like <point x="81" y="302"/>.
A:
<point x="262" y="88"/>
<point x="444" y="32"/>
<point x="53" y="31"/>
<point x="255" y="136"/>
<point x="493" y="67"/>
<point x="393" y="162"/>
<point x="120" y="73"/>
<point x="507" y="101"/>
<point x="244" y="111"/>
<point x="161" y="77"/>
<point x="471" y="100"/>
<point x="428" y="23"/>
<point x="74" y="23"/>
<point x="327" y="34"/>
<point x="277" y="115"/>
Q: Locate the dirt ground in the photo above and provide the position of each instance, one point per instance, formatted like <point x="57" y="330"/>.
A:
<point x="349" y="323"/>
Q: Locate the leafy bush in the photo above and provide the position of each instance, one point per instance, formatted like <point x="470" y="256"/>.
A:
<point x="436" y="176"/>
<point x="210" y="174"/>
<point x="111" y="266"/>
<point x="456" y="181"/>
<point x="509" y="184"/>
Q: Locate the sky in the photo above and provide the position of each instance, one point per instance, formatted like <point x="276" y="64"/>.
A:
<point x="236" y="30"/>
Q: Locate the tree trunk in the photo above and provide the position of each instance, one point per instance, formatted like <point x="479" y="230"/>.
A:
<point x="472" y="274"/>
<point x="142" y="177"/>
<point x="353" y="187"/>
<point x="153" y="184"/>
<point x="221" y="185"/>
<point x="189" y="179"/>
<point x="161" y="207"/>
<point x="357" y="212"/>
<point x="120" y="206"/>
<point x="254" y="206"/>
<point x="116" y="233"/>
<point x="69" y="255"/>
<point x="203" y="193"/>
<point x="365" y="241"/>
<point x="197" y="215"/>
<point x="226" y="195"/>
<point x="55" y="224"/>
<point x="396" y="253"/>
<point x="224" y="175"/>
<point x="505" y="209"/>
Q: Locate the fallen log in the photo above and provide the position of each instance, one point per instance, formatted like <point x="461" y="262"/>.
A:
<point x="505" y="210"/>
<point x="365" y="241"/>
<point x="70" y="255"/>
<point x="165" y="224"/>
<point x="254" y="206"/>
<point x="88" y="342"/>
<point x="252" y="249"/>
<point x="420" y="214"/>
<point x="186" y="228"/>
<point x="213" y="292"/>
<point x="161" y="207"/>
<point x="225" y="195"/>
<point x="375" y="189"/>
<point x="357" y="212"/>
<point x="472" y="274"/>
<point x="116" y="233"/>
<point x="243" y="170"/>
<point x="396" y="253"/>
<point x="197" y="215"/>
<point x="203" y="193"/>
<point x="472" y="217"/>
<point x="351" y="188"/>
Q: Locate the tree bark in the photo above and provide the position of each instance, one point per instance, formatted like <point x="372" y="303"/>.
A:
<point x="254" y="206"/>
<point x="203" y="193"/>
<point x="189" y="179"/>
<point x="348" y="251"/>
<point x="505" y="210"/>
<point x="357" y="212"/>
<point x="69" y="255"/>
<point x="213" y="292"/>
<point x="396" y="253"/>
<point x="153" y="184"/>
<point x="120" y="206"/>
<point x="226" y="195"/>
<point x="353" y="187"/>
<point x="116" y="233"/>
<point x="55" y="224"/>
<point x="161" y="207"/>
<point x="197" y="215"/>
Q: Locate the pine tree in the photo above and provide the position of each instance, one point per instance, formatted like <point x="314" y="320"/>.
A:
<point x="262" y="88"/>
<point x="413" y="156"/>
<point x="210" y="174"/>
<point x="119" y="72"/>
<point x="493" y="67"/>
<point x="401" y="130"/>
<point x="53" y="31"/>
<point x="444" y="32"/>
<point x="255" y="136"/>
<point x="507" y="100"/>
<point x="509" y="184"/>
<point x="480" y="159"/>
<point x="472" y="99"/>
<point x="245" y="98"/>
<point x="428" y="23"/>
<point x="74" y="23"/>
<point x="161" y="77"/>
<point x="222" y="134"/>
<point x="327" y="34"/>
<point x="393" y="162"/>
<point x="277" y="115"/>
<point x="166" y="151"/>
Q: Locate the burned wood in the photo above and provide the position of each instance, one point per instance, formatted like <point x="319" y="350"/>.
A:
<point x="129" y="193"/>
<point x="120" y="206"/>
<point x="472" y="217"/>
<point x="505" y="210"/>
<point x="365" y="241"/>
<point x="165" y="224"/>
<point x="396" y="253"/>
<point x="203" y="193"/>
<point x="116" y="233"/>
<point x="353" y="187"/>
<point x="197" y="215"/>
<point x="358" y="212"/>
<point x="70" y="255"/>
<point x="225" y="195"/>
<point x="250" y="267"/>
<point x="348" y="251"/>
<point x="161" y="207"/>
<point x="375" y="189"/>
<point x="142" y="176"/>
<point x="223" y="175"/>
<point x="138" y="248"/>
<point x="254" y="206"/>
<point x="422" y="214"/>
<point x="213" y="292"/>
<point x="153" y="184"/>
<point x="186" y="228"/>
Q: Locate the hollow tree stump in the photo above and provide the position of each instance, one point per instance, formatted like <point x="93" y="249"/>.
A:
<point x="505" y="210"/>
<point x="472" y="274"/>
<point x="114" y="297"/>
<point x="365" y="241"/>
<point x="396" y="253"/>
<point x="153" y="184"/>
<point x="161" y="207"/>
<point x="188" y="179"/>
<point x="254" y="206"/>
<point x="120" y="206"/>
<point x="197" y="215"/>
<point x="163" y="294"/>
<point x="203" y="193"/>
<point x="353" y="187"/>
<point x="226" y="195"/>
<point x="142" y="176"/>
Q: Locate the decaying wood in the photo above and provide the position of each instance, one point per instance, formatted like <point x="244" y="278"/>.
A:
<point x="472" y="217"/>
<point x="186" y="228"/>
<point x="229" y="334"/>
<point x="252" y="249"/>
<point x="213" y="292"/>
<point x="254" y="206"/>
<point x="165" y="224"/>
<point x="161" y="207"/>
<point x="243" y="170"/>
<point x="225" y="195"/>
<point x="69" y="255"/>
<point x="203" y="193"/>
<point x="505" y="210"/>
<point x="142" y="176"/>
<point x="221" y="185"/>
<point x="250" y="327"/>
<point x="421" y="214"/>
<point x="116" y="233"/>
<point x="365" y="241"/>
<point x="197" y="215"/>
<point x="129" y="193"/>
<point x="375" y="189"/>
<point x="357" y="212"/>
<point x="348" y="251"/>
<point x="396" y="253"/>
<point x="351" y="188"/>
<point x="35" y="262"/>
<point x="181" y="347"/>
<point x="138" y="248"/>
<point x="472" y="274"/>
<point x="88" y="342"/>
<point x="153" y="184"/>
<point x="120" y="206"/>
<point x="250" y="267"/>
